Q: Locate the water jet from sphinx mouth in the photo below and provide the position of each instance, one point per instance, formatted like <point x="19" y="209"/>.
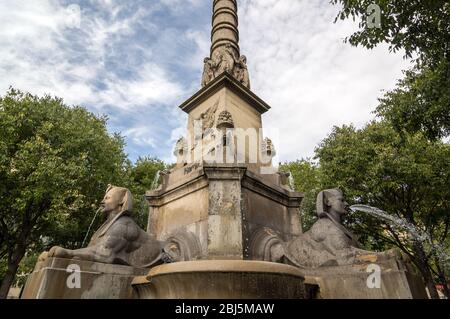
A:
<point x="102" y="206"/>
<point x="414" y="233"/>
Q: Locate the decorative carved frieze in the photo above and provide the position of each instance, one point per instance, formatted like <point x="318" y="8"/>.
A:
<point x="223" y="60"/>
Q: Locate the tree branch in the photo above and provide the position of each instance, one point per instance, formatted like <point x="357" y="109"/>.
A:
<point x="4" y="228"/>
<point x="3" y="253"/>
<point x="399" y="244"/>
<point x="444" y="235"/>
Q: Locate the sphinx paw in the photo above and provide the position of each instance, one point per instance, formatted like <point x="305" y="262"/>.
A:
<point x="43" y="256"/>
<point x="57" y="251"/>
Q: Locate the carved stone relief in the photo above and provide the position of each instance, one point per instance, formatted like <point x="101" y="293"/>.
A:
<point x="226" y="60"/>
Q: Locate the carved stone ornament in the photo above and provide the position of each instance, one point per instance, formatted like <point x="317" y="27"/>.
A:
<point x="180" y="148"/>
<point x="182" y="246"/>
<point x="208" y="118"/>
<point x="268" y="148"/>
<point x="266" y="245"/>
<point x="225" y="59"/>
<point x="241" y="71"/>
<point x="225" y="120"/>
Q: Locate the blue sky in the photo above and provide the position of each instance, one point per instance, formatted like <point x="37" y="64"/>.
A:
<point x="136" y="61"/>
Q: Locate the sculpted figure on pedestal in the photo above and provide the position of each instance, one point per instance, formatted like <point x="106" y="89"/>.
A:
<point x="328" y="242"/>
<point x="208" y="71"/>
<point x="119" y="240"/>
<point x="241" y="71"/>
<point x="207" y="120"/>
<point x="226" y="59"/>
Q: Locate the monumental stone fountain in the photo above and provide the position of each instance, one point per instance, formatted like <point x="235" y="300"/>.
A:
<point x="223" y="223"/>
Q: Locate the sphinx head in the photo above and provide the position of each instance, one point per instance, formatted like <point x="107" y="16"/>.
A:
<point x="117" y="200"/>
<point x="331" y="201"/>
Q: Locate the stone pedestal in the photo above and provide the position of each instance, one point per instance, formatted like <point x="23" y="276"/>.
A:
<point x="222" y="279"/>
<point x="399" y="280"/>
<point x="97" y="281"/>
<point x="218" y="211"/>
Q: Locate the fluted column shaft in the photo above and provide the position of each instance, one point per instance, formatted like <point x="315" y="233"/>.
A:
<point x="225" y="26"/>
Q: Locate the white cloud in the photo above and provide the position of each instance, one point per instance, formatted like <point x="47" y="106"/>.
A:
<point x="141" y="136"/>
<point x="124" y="61"/>
<point x="38" y="49"/>
<point x="301" y="67"/>
<point x="151" y="86"/>
<point x="180" y="5"/>
<point x="203" y="43"/>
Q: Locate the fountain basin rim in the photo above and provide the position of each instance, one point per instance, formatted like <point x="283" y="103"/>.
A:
<point x="221" y="266"/>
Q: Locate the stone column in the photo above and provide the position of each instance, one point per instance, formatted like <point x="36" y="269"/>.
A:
<point x="152" y="220"/>
<point x="225" y="26"/>
<point x="224" y="213"/>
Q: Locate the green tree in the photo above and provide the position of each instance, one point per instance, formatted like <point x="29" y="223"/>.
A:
<point x="407" y="176"/>
<point x="307" y="179"/>
<point x="420" y="102"/>
<point x="144" y="175"/>
<point x="55" y="164"/>
<point x="421" y="28"/>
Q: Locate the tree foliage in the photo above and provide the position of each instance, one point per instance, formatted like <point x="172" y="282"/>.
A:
<point x="55" y="164"/>
<point x="307" y="179"/>
<point x="407" y="176"/>
<point x="419" y="27"/>
<point x="421" y="101"/>
<point x="143" y="176"/>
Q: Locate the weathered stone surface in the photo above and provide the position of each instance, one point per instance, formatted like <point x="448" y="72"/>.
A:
<point x="207" y="125"/>
<point x="399" y="280"/>
<point x="223" y="206"/>
<point x="97" y="280"/>
<point x="14" y="293"/>
<point x="180" y="151"/>
<point x="224" y="212"/>
<point x="222" y="279"/>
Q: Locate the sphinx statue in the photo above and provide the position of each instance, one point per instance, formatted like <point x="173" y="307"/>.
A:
<point x="328" y="242"/>
<point x="119" y="240"/>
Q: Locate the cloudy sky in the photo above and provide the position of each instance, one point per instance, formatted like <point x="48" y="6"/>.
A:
<point x="136" y="61"/>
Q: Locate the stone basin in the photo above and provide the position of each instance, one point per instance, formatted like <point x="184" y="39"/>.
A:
<point x="222" y="279"/>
